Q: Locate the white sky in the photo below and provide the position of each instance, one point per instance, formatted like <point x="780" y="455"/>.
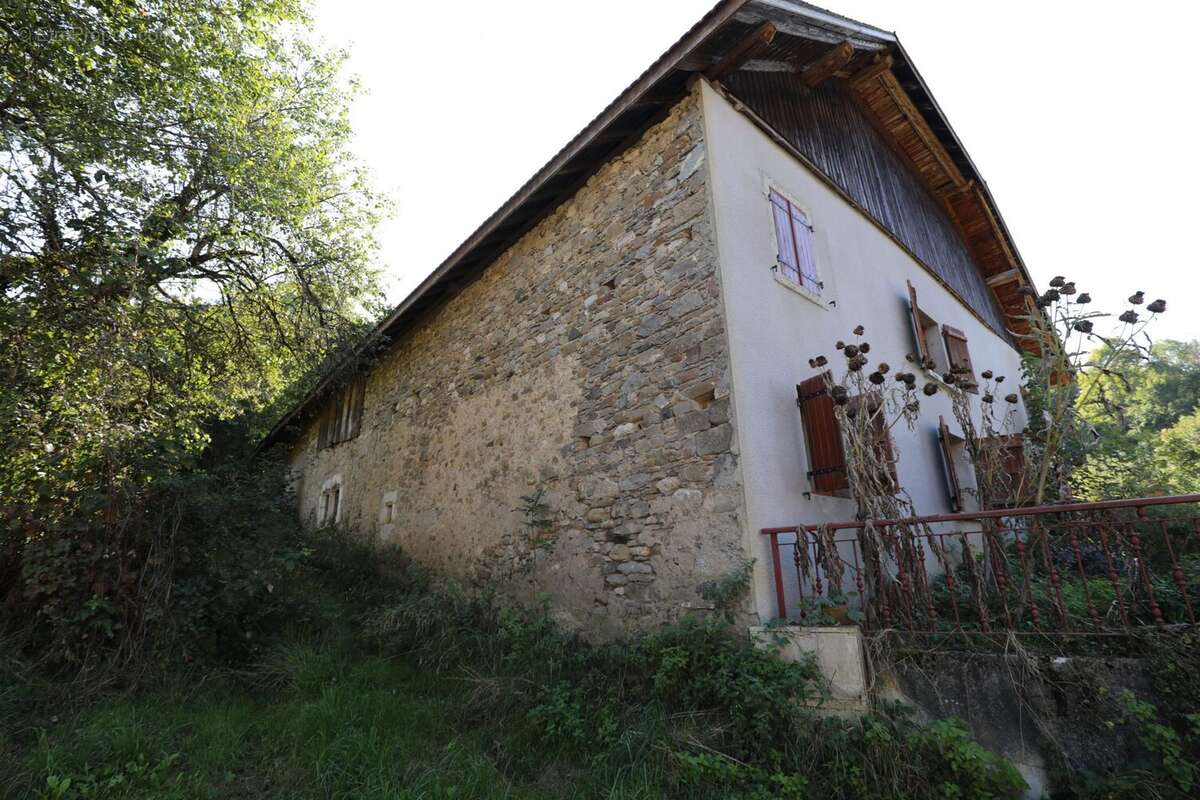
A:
<point x="1076" y="114"/>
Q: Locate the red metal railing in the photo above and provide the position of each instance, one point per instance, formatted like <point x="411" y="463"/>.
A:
<point x="1064" y="568"/>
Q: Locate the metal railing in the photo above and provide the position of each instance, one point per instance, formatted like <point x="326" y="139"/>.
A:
<point x="1075" y="568"/>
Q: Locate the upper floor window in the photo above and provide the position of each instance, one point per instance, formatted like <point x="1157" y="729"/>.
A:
<point x="341" y="420"/>
<point x="795" y="260"/>
<point x="941" y="349"/>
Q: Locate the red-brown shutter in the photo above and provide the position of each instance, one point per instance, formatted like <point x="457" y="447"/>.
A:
<point x="918" y="331"/>
<point x="960" y="357"/>
<point x="822" y="436"/>
<point x="952" y="485"/>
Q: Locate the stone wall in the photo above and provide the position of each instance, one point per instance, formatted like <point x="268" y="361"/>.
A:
<point x="589" y="361"/>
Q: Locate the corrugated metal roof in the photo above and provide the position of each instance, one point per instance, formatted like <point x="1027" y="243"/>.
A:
<point x="806" y="32"/>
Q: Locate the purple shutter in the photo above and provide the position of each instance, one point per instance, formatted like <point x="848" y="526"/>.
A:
<point x="788" y="265"/>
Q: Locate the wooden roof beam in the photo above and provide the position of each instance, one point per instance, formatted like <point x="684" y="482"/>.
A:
<point x="817" y="72"/>
<point x="880" y="65"/>
<point x="1001" y="278"/>
<point x="745" y="50"/>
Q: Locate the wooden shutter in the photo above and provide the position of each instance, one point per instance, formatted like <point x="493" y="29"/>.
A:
<point x="918" y="330"/>
<point x="951" y="472"/>
<point x="785" y="239"/>
<point x="822" y="436"/>
<point x="341" y="419"/>
<point x="805" y="261"/>
<point x="960" y="357"/>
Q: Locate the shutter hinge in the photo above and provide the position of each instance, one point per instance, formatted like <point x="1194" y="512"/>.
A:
<point x="814" y="473"/>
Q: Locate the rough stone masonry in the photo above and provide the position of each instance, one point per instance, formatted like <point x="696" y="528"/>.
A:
<point x="589" y="362"/>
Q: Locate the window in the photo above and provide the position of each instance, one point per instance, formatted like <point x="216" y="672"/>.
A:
<point x="940" y="348"/>
<point x="341" y="420"/>
<point x="1001" y="470"/>
<point x="956" y="469"/>
<point x="931" y="351"/>
<point x="879" y="437"/>
<point x="387" y="511"/>
<point x="822" y="437"/>
<point x="331" y="501"/>
<point x="795" y="262"/>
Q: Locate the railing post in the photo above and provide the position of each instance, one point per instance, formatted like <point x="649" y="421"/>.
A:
<point x="780" y="596"/>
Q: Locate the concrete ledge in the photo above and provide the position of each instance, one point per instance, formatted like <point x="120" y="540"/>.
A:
<point x="838" y="652"/>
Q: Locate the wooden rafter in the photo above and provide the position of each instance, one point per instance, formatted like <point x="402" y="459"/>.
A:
<point x="745" y="50"/>
<point x="1001" y="278"/>
<point x="824" y="68"/>
<point x="880" y="65"/>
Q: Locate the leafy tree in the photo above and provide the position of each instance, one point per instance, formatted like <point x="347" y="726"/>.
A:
<point x="1144" y="413"/>
<point x="182" y="234"/>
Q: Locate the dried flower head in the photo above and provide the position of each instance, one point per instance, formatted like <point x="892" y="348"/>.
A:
<point x="859" y="330"/>
<point x="1068" y="288"/>
<point x="856" y="363"/>
<point x="913" y="407"/>
<point x="1011" y="398"/>
<point x="840" y="344"/>
<point x="987" y="398"/>
<point x="1129" y="316"/>
<point x="1083" y="326"/>
<point x="930" y="389"/>
<point x="987" y="374"/>
<point x="1051" y="296"/>
<point x="1137" y="298"/>
<point x="1084" y="298"/>
<point x="1157" y="307"/>
<point x="821" y="361"/>
<point x="882" y="367"/>
<point x="948" y="377"/>
<point x="1058" y="280"/>
<point x="850" y="351"/>
<point x="864" y="347"/>
<point x="875" y="378"/>
<point x="999" y="379"/>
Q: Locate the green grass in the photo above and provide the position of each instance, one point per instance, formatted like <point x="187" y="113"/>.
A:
<point x="316" y="720"/>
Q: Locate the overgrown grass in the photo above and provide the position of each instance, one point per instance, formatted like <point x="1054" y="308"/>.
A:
<point x="318" y="719"/>
<point x="394" y="688"/>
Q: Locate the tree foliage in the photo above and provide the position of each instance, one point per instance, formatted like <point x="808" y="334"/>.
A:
<point x="183" y="234"/>
<point x="1146" y="414"/>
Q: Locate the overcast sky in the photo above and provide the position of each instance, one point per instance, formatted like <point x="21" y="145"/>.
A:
<point x="1076" y="114"/>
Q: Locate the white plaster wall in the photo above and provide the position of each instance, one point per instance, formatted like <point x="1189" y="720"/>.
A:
<point x="774" y="330"/>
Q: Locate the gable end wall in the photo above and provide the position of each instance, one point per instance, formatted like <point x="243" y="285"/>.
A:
<point x="590" y="361"/>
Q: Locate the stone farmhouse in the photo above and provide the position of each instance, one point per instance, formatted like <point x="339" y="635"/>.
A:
<point x="595" y="398"/>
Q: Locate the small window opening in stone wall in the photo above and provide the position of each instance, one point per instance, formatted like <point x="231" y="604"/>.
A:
<point x="387" y="509"/>
<point x="610" y="284"/>
<point x="330" y="504"/>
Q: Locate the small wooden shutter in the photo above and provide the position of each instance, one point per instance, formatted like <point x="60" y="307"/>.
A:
<point x="918" y="330"/>
<point x="960" y="357"/>
<point x="789" y="264"/>
<point x="951" y="471"/>
<point x="822" y="436"/>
